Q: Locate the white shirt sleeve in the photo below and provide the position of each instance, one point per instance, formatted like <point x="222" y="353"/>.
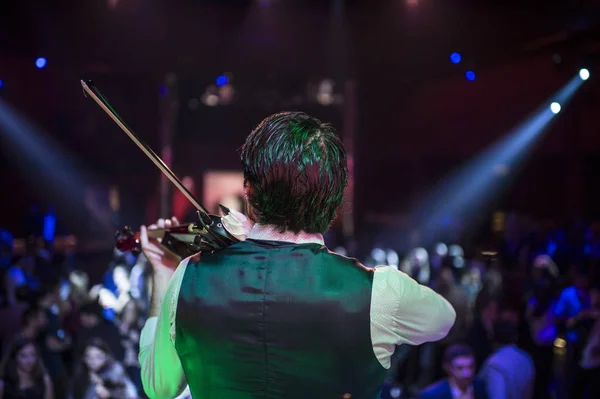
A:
<point x="161" y="370"/>
<point x="405" y="312"/>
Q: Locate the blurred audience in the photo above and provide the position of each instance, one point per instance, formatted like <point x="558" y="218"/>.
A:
<point x="100" y="376"/>
<point x="527" y="302"/>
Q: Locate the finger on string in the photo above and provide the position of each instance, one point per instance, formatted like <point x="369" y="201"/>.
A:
<point x="167" y="223"/>
<point x="174" y="221"/>
<point x="161" y="223"/>
<point x="152" y="227"/>
<point x="144" y="236"/>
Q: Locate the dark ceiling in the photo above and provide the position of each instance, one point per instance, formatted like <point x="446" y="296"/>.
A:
<point x="296" y="36"/>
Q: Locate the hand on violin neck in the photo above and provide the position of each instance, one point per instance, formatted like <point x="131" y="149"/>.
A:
<point x="162" y="260"/>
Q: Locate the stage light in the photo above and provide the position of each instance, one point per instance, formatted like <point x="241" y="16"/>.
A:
<point x="455" y="58"/>
<point x="1" y="83"/>
<point x="378" y="255"/>
<point x="41" y="63"/>
<point x="222" y="80"/>
<point x="392" y="258"/>
<point x="211" y="100"/>
<point x="555" y="108"/>
<point x="459" y="262"/>
<point x="470" y="75"/>
<point x="441" y="249"/>
<point x="584" y="74"/>
<point x="421" y="255"/>
<point x="455" y="250"/>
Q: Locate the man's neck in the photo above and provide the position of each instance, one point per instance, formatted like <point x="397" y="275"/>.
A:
<point x="272" y="233"/>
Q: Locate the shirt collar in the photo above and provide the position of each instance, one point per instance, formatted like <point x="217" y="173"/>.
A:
<point x="267" y="232"/>
<point x="458" y="394"/>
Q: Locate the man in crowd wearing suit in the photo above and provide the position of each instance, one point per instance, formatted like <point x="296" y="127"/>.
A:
<point x="459" y="364"/>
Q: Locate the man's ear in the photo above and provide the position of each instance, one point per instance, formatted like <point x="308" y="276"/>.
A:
<point x="248" y="190"/>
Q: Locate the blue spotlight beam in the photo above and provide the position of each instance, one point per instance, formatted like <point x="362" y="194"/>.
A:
<point x="47" y="167"/>
<point x="467" y="192"/>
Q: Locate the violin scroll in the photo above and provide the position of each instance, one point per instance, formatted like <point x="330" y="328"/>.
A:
<point x="127" y="240"/>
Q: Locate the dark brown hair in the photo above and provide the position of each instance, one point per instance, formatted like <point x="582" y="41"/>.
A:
<point x="297" y="171"/>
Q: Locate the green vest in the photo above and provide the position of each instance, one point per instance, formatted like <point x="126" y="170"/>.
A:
<point x="275" y="320"/>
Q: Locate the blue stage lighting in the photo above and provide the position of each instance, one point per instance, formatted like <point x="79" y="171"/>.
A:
<point x="1" y="82"/>
<point x="584" y="74"/>
<point x="222" y="80"/>
<point x="555" y="108"/>
<point x="455" y="58"/>
<point x="470" y="75"/>
<point x="40" y="63"/>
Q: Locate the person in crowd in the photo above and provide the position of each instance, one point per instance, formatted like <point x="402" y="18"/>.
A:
<point x="461" y="383"/>
<point x="481" y="333"/>
<point x="573" y="304"/>
<point x="574" y="315"/>
<point x="99" y="376"/>
<point x="94" y="325"/>
<point x="447" y="286"/>
<point x="587" y="375"/>
<point x="54" y="342"/>
<point x="22" y="374"/>
<point x="509" y="372"/>
<point x="11" y="316"/>
<point x="33" y="323"/>
<point x="471" y="283"/>
<point x="22" y="277"/>
<point x="539" y="314"/>
<point x="7" y="245"/>
<point x="129" y="328"/>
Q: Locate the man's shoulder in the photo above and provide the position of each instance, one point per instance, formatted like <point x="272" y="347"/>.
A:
<point x="505" y="358"/>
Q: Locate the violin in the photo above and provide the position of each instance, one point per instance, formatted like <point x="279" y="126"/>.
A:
<point x="208" y="234"/>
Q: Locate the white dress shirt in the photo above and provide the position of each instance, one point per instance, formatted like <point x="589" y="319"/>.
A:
<point x="402" y="312"/>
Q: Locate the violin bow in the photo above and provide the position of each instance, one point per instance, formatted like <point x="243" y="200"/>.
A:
<point x="91" y="90"/>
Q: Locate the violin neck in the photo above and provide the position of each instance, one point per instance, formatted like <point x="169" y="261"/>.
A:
<point x="177" y="230"/>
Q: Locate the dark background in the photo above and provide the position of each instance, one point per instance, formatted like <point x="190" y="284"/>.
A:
<point x="418" y="117"/>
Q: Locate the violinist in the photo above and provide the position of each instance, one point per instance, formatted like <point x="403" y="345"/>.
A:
<point x="276" y="314"/>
